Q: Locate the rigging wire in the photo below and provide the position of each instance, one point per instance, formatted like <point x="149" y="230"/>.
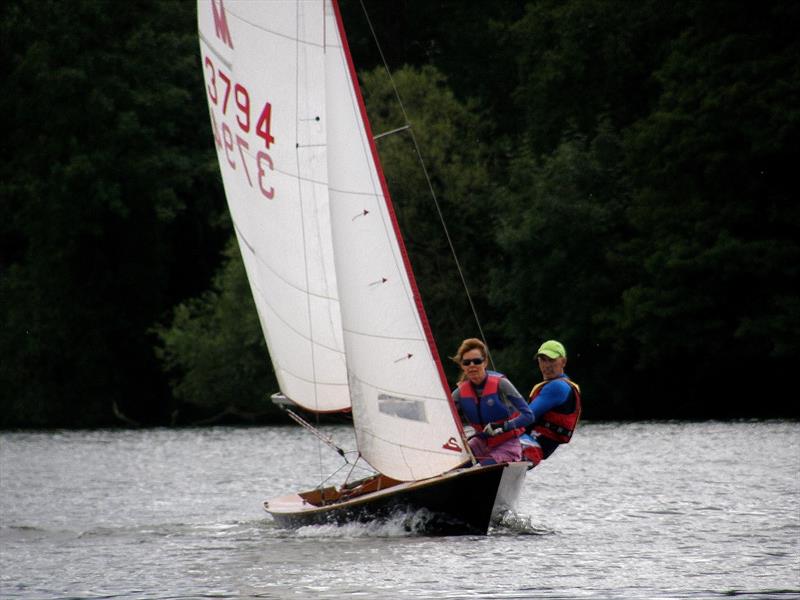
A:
<point x="315" y="431"/>
<point x="410" y="130"/>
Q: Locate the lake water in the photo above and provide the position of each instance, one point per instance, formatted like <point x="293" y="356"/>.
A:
<point x="642" y="510"/>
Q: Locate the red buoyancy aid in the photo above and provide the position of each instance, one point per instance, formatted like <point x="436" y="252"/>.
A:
<point x="495" y="406"/>
<point x="555" y="425"/>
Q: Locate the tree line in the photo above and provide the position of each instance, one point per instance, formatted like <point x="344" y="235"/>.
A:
<point x="617" y="176"/>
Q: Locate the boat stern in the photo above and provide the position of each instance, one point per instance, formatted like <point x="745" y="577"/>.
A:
<point x="510" y="487"/>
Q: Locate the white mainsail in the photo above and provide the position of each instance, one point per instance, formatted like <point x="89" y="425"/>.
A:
<point x="321" y="244"/>
<point x="264" y="68"/>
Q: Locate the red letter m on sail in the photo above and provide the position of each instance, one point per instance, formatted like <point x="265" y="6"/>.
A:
<point x="221" y="23"/>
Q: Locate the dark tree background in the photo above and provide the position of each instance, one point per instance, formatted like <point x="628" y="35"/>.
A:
<point x="112" y="206"/>
<point x="615" y="175"/>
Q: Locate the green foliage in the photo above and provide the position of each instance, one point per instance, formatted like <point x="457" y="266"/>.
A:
<point x="715" y="212"/>
<point x="616" y="175"/>
<point x="561" y="225"/>
<point x="698" y="223"/>
<point x="103" y="158"/>
<point x="215" y="350"/>
<point x="579" y="60"/>
<point x="463" y="38"/>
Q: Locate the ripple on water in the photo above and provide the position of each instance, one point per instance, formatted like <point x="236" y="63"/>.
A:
<point x="633" y="511"/>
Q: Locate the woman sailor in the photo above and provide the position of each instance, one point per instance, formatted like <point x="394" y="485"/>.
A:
<point x="491" y="404"/>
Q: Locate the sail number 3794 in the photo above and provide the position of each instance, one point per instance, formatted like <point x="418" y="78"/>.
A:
<point x="233" y="99"/>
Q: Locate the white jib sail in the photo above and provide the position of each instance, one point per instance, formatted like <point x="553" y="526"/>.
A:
<point x="405" y="424"/>
<point x="264" y="65"/>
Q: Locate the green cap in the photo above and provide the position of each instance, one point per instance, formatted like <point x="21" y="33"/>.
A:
<point x="552" y="349"/>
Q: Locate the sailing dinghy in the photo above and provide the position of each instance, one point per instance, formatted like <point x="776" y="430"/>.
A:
<point x="333" y="286"/>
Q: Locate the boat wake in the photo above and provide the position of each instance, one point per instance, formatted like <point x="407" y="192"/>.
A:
<point x="512" y="523"/>
<point x="410" y="523"/>
<point x="401" y="523"/>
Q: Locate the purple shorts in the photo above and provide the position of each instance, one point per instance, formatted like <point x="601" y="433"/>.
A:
<point x="508" y="451"/>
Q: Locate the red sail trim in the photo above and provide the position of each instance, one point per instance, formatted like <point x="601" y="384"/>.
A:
<point x="390" y="207"/>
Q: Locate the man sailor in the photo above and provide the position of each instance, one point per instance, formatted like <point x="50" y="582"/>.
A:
<point x="555" y="403"/>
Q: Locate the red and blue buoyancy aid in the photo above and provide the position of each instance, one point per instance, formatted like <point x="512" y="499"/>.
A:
<point x="492" y="407"/>
<point x="558" y="426"/>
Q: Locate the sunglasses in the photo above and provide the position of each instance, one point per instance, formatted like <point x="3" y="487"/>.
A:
<point x="472" y="361"/>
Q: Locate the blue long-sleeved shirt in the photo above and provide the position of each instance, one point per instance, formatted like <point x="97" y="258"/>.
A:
<point x="554" y="393"/>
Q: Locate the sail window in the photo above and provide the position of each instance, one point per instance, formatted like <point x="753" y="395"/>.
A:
<point x="413" y="410"/>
